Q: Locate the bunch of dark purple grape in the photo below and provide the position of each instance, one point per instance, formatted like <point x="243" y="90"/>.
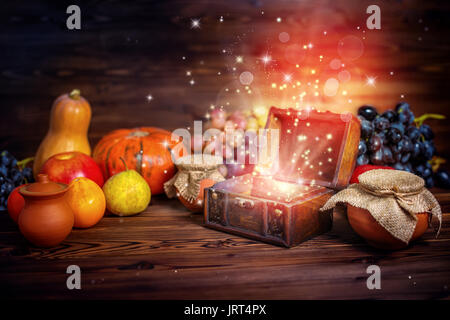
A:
<point x="395" y="139"/>
<point x="12" y="176"/>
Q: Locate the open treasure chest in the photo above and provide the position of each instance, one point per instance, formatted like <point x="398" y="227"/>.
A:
<point x="313" y="154"/>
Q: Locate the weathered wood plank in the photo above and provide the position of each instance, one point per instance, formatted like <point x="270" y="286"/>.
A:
<point x="125" y="52"/>
<point x="166" y="253"/>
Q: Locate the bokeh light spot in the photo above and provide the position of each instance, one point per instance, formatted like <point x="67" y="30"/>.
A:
<point x="350" y="48"/>
<point x="344" y="76"/>
<point x="335" y="64"/>
<point x="331" y="87"/>
<point x="284" y="37"/>
<point x="346" y="116"/>
<point x="246" y="78"/>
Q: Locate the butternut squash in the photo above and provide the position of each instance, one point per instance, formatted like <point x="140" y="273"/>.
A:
<point x="69" y="123"/>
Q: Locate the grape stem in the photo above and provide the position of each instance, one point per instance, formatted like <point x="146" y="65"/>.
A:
<point x="420" y="120"/>
<point x="436" y="163"/>
<point x="23" y="163"/>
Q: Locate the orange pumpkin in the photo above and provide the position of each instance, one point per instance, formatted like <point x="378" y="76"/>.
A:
<point x="147" y="150"/>
<point x="69" y="123"/>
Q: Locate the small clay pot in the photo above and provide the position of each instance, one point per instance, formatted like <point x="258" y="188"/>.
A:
<point x="197" y="204"/>
<point x="46" y="219"/>
<point x="368" y="228"/>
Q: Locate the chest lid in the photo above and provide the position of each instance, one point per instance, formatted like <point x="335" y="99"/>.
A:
<point x="310" y="147"/>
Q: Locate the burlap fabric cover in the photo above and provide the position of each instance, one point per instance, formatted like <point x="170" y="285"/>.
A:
<point x="392" y="197"/>
<point x="192" y="170"/>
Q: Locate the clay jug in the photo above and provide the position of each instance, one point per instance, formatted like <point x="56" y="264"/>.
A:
<point x="47" y="219"/>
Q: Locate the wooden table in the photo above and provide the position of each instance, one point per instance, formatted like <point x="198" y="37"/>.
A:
<point x="166" y="253"/>
<point x="125" y="52"/>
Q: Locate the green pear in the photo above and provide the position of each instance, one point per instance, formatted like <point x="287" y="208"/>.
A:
<point x="126" y="193"/>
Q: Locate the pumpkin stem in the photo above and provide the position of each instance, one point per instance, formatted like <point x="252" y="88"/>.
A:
<point x="124" y="163"/>
<point x="75" y="94"/>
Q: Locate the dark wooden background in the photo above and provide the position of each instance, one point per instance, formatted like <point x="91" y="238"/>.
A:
<point x="126" y="51"/>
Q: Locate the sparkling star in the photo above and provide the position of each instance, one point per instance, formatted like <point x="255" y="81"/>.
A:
<point x="287" y="77"/>
<point x="149" y="98"/>
<point x="370" y="81"/>
<point x="195" y="23"/>
<point x="239" y="59"/>
<point x="266" y="59"/>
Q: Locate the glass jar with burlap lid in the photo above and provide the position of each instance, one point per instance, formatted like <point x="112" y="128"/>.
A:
<point x="394" y="199"/>
<point x="195" y="173"/>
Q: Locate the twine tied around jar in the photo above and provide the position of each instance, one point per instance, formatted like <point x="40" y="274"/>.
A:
<point x="393" y="198"/>
<point x="192" y="170"/>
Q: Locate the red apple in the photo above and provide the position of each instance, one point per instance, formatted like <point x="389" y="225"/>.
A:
<point x="16" y="202"/>
<point x="361" y="169"/>
<point x="66" y="166"/>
